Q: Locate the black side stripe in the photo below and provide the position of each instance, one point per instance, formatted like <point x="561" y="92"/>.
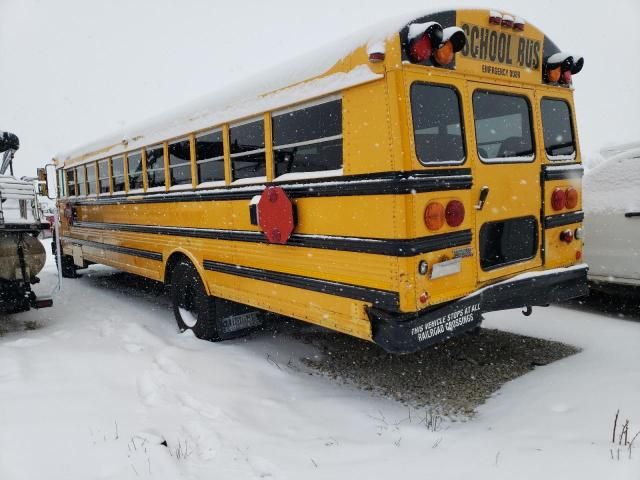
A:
<point x="386" y="183"/>
<point x="392" y="247"/>
<point x="552" y="221"/>
<point x="116" y="248"/>
<point x="559" y="173"/>
<point x="381" y="298"/>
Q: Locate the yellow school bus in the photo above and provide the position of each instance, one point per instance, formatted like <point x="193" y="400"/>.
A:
<point x="394" y="189"/>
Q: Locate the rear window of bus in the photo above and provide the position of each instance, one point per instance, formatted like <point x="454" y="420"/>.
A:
<point x="437" y="126"/>
<point x="503" y="127"/>
<point x="557" y="129"/>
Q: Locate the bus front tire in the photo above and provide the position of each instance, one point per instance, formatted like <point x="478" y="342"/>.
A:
<point x="193" y="308"/>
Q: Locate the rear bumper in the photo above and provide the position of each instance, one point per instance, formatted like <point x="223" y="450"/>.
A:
<point x="407" y="333"/>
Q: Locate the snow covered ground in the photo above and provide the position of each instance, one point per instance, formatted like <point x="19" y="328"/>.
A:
<point x="104" y="379"/>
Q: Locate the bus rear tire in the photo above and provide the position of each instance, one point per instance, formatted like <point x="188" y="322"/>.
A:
<point x="69" y="268"/>
<point x="193" y="308"/>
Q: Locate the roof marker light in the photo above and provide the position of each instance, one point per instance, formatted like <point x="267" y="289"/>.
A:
<point x="507" y="21"/>
<point x="495" y="18"/>
<point x="376" y="52"/>
<point x="376" y="57"/>
<point x="518" y="24"/>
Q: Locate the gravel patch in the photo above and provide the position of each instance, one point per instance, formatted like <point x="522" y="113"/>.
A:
<point x="450" y="379"/>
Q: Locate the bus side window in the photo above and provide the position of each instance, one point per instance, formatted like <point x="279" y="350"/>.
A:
<point x="155" y="166"/>
<point x="71" y="182"/>
<point x="210" y="157"/>
<point x="80" y="181"/>
<point x="437" y="124"/>
<point x="247" y="150"/>
<point x="91" y="178"/>
<point x="134" y="162"/>
<point x="103" y="176"/>
<point x="180" y="162"/>
<point x="308" y="138"/>
<point x="117" y="171"/>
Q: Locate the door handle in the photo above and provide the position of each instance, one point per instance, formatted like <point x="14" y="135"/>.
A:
<point x="632" y="214"/>
<point x="484" y="193"/>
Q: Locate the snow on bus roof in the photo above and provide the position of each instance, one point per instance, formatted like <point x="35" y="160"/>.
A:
<point x="279" y="86"/>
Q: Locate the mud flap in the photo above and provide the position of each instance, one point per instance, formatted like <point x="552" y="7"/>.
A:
<point x="234" y="319"/>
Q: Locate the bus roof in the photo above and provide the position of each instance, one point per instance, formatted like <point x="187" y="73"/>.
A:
<point x="327" y="70"/>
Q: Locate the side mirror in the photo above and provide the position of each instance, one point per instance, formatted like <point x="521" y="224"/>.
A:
<point x="47" y="185"/>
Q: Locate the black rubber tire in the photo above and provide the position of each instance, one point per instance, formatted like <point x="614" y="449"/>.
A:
<point x="12" y="299"/>
<point x="188" y="293"/>
<point x="69" y="268"/>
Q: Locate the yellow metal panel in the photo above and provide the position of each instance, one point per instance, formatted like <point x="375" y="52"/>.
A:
<point x="338" y="313"/>
<point x="367" y="140"/>
<point x="268" y="144"/>
<point x="110" y="170"/>
<point x="227" y="154"/>
<point x="194" y="167"/>
<point x="125" y="163"/>
<point x="167" y="174"/>
<point x="559" y="253"/>
<point x="398" y="120"/>
<point x="145" y="183"/>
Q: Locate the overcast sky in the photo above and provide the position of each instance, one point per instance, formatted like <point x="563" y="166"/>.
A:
<point x="75" y="70"/>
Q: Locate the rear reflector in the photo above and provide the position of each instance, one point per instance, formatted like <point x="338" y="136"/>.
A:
<point x="566" y="236"/>
<point x="454" y="213"/>
<point x="43" y="302"/>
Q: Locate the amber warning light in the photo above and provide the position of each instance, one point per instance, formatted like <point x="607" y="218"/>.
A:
<point x="430" y="41"/>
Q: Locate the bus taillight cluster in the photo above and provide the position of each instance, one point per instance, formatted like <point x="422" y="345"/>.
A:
<point x="561" y="199"/>
<point x="430" y="40"/>
<point x="436" y="214"/>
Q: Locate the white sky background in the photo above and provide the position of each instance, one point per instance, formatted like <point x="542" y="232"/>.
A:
<point x="72" y="71"/>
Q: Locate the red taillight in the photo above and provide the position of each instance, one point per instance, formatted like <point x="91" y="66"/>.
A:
<point x="454" y="213"/>
<point x="566" y="236"/>
<point x="571" y="198"/>
<point x="434" y="216"/>
<point x="507" y="21"/>
<point x="376" y="57"/>
<point x="557" y="199"/>
<point x="518" y="24"/>
<point x="421" y="49"/>
<point x="424" y="297"/>
<point x="495" y="18"/>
